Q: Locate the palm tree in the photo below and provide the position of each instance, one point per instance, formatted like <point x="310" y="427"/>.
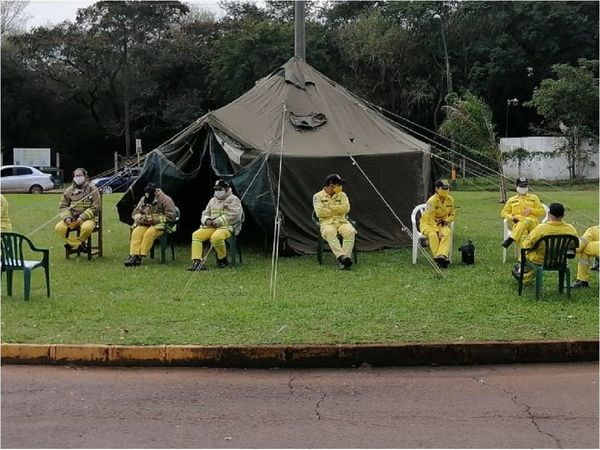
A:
<point x="469" y="123"/>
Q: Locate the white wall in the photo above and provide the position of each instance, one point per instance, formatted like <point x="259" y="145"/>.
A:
<point x="544" y="166"/>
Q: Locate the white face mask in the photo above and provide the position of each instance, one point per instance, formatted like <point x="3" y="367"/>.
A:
<point x="79" y="180"/>
<point x="221" y="194"/>
<point x="522" y="190"/>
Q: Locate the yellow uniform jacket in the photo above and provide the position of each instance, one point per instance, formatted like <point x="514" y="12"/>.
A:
<point x="331" y="210"/>
<point x="436" y="211"/>
<point x="545" y="229"/>
<point x="81" y="200"/>
<point x="517" y="203"/>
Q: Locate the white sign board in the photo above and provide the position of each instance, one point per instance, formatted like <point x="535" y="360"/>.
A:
<point x="36" y="157"/>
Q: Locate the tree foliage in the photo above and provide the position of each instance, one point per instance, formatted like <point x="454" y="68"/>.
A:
<point x="66" y="85"/>
<point x="570" y="104"/>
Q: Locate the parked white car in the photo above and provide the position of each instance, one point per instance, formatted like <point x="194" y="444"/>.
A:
<point x="24" y="179"/>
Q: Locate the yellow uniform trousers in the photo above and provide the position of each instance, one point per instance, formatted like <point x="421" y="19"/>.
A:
<point x="217" y="237"/>
<point x="591" y="250"/>
<point x="438" y="237"/>
<point x="348" y="234"/>
<point x="522" y="228"/>
<point x="86" y="228"/>
<point x="142" y="239"/>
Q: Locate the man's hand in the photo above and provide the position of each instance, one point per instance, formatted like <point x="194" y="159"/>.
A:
<point x="68" y="220"/>
<point x="211" y="223"/>
<point x="526" y="212"/>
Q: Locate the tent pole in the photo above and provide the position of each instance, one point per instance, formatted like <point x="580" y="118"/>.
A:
<point x="299" y="30"/>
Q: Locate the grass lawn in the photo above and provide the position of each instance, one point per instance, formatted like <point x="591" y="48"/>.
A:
<point x="383" y="299"/>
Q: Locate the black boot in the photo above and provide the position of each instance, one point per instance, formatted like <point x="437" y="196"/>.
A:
<point x="507" y="242"/>
<point x="83" y="248"/>
<point x="129" y="261"/>
<point x="347" y="262"/>
<point x="579" y="284"/>
<point x="197" y="264"/>
<point x="222" y="263"/>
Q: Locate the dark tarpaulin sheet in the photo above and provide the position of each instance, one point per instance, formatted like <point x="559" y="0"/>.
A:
<point x="401" y="178"/>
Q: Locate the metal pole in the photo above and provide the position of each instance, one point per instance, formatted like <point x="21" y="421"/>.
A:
<point x="126" y="100"/>
<point x="299" y="30"/>
<point x="448" y="74"/>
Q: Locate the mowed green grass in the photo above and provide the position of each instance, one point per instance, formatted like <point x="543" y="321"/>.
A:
<point x="383" y="299"/>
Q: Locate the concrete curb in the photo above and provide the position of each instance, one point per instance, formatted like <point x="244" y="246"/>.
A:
<point x="265" y="356"/>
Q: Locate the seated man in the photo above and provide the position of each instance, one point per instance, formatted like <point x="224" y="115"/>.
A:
<point x="523" y="212"/>
<point x="150" y="219"/>
<point x="332" y="207"/>
<point x="5" y="223"/>
<point x="79" y="207"/>
<point x="554" y="226"/>
<point x="221" y="217"/>
<point x="589" y="246"/>
<point x="435" y="222"/>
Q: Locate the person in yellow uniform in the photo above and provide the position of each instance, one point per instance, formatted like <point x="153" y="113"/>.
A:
<point x="150" y="219"/>
<point x="220" y="219"/>
<point x="554" y="226"/>
<point x="79" y="207"/>
<point x="5" y="223"/>
<point x="435" y="222"/>
<point x="332" y="206"/>
<point x="589" y="247"/>
<point x="523" y="212"/>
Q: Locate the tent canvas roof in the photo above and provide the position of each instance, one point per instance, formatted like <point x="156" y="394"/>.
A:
<point x="255" y="118"/>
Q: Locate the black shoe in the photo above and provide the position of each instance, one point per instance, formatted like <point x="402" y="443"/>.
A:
<point x="83" y="248"/>
<point x="442" y="262"/>
<point x="68" y="247"/>
<point x="341" y="263"/>
<point x="133" y="260"/>
<point x="507" y="242"/>
<point x="347" y="262"/>
<point x="580" y="284"/>
<point x="198" y="264"/>
<point x="222" y="263"/>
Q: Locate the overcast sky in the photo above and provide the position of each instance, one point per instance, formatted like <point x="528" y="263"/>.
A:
<point x="45" y="12"/>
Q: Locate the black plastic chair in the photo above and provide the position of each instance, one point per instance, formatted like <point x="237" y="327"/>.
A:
<point x="13" y="259"/>
<point x="166" y="240"/>
<point x="321" y="242"/>
<point x="557" y="249"/>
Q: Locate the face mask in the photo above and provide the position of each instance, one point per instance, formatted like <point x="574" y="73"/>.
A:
<point x="337" y="189"/>
<point x="79" y="180"/>
<point x="220" y="195"/>
<point x="442" y="193"/>
<point x="522" y="190"/>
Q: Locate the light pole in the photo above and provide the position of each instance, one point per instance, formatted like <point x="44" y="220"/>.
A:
<point x="448" y="74"/>
<point x="510" y="102"/>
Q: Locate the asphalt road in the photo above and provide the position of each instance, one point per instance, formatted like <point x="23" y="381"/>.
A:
<point x="528" y="406"/>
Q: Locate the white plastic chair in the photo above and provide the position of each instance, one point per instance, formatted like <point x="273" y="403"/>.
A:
<point x="416" y="234"/>
<point x="506" y="234"/>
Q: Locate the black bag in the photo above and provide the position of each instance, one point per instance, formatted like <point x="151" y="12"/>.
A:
<point x="468" y="253"/>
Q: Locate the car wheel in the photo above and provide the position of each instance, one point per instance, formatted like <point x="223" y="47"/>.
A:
<point x="36" y="189"/>
<point x="106" y="190"/>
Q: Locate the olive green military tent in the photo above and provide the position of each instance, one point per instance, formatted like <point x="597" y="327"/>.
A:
<point x="299" y="120"/>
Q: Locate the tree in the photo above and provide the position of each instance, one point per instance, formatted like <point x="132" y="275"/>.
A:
<point x="469" y="122"/>
<point x="12" y="16"/>
<point x="570" y="106"/>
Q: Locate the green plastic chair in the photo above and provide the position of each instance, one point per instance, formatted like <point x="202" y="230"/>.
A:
<point x="13" y="259"/>
<point x="165" y="240"/>
<point x="234" y="248"/>
<point x="321" y="241"/>
<point x="557" y="249"/>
